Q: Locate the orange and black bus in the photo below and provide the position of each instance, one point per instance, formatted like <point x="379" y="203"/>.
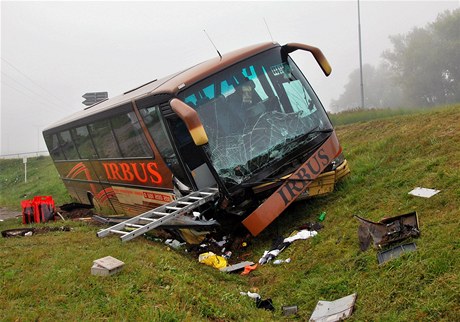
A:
<point x="247" y="122"/>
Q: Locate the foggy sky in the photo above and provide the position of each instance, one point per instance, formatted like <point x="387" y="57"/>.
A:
<point x="54" y="52"/>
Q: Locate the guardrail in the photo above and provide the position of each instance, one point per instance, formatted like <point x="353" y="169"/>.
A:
<point x="24" y="155"/>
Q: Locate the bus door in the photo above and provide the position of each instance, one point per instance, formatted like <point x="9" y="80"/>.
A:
<point x="193" y="156"/>
<point x="171" y="138"/>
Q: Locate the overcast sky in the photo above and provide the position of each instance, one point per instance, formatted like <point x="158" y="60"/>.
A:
<point x="54" y="52"/>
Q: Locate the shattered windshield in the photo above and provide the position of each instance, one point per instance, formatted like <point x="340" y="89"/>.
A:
<point x="255" y="113"/>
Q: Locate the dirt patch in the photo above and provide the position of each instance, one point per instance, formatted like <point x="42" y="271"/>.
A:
<point x="20" y="232"/>
<point x="7" y="214"/>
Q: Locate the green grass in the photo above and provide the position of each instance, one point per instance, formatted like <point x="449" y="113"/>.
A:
<point x="42" y="179"/>
<point x="364" y="115"/>
<point x="47" y="277"/>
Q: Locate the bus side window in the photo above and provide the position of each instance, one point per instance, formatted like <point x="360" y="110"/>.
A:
<point x="83" y="142"/>
<point x="54" y="147"/>
<point x="104" y="140"/>
<point x="131" y="139"/>
<point x="67" y="146"/>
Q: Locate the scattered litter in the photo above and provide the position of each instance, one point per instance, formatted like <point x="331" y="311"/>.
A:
<point x="236" y="267"/>
<point x="337" y="310"/>
<point x="387" y="230"/>
<point x="423" y="192"/>
<point x="20" y="232"/>
<point x="227" y="254"/>
<point x="303" y="234"/>
<point x="106" y="266"/>
<point x="192" y="236"/>
<point x="289" y="310"/>
<point x="222" y="242"/>
<point x="196" y="215"/>
<point x="260" y="304"/>
<point x="395" y="252"/>
<point x="17" y="232"/>
<point x="265" y="304"/>
<point x="213" y="260"/>
<point x="269" y="255"/>
<point x="173" y="243"/>
<point x="254" y="296"/>
<point x="311" y="226"/>
<point x="281" y="261"/>
<point x="59" y="214"/>
<point x="322" y="216"/>
<point x="248" y="269"/>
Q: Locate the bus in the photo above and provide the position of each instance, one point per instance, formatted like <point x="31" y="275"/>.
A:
<point x="247" y="122"/>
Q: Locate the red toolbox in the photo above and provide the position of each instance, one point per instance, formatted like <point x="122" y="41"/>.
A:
<point x="28" y="211"/>
<point x="38" y="209"/>
<point x="44" y="208"/>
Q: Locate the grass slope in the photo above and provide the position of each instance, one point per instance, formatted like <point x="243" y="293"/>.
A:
<point x="42" y="179"/>
<point x="47" y="277"/>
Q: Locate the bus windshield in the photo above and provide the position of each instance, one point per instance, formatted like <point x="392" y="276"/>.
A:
<point x="255" y="113"/>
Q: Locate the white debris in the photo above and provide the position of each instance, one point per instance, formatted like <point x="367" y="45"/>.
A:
<point x="423" y="192"/>
<point x="303" y="234"/>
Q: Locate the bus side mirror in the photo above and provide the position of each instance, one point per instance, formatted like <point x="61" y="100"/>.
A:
<point x="191" y="120"/>
<point x="316" y="52"/>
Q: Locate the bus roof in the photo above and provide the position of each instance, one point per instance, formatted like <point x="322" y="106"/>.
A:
<point x="170" y="84"/>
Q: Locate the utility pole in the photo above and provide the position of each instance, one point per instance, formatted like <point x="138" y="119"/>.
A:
<point x="360" y="58"/>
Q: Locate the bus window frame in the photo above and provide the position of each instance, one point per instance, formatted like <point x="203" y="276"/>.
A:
<point x="60" y="139"/>
<point x="164" y="112"/>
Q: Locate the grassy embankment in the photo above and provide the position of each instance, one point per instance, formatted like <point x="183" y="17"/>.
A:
<point x="47" y="277"/>
<point x="42" y="179"/>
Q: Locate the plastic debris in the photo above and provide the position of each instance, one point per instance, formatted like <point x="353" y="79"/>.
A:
<point x="269" y="255"/>
<point x="289" y="310"/>
<point x="174" y="243"/>
<point x="260" y="304"/>
<point x="337" y="310"/>
<point x="395" y="252"/>
<point x="213" y="260"/>
<point x="248" y="269"/>
<point x="227" y="254"/>
<point x="265" y="304"/>
<point x="322" y="216"/>
<point x="281" y="261"/>
<point x="303" y="234"/>
<point x="254" y="296"/>
<point x="423" y="192"/>
<point x="235" y="267"/>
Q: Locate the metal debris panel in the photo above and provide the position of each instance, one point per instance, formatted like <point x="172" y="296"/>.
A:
<point x="337" y="310"/>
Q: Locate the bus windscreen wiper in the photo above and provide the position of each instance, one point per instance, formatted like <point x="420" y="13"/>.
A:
<point x="310" y="134"/>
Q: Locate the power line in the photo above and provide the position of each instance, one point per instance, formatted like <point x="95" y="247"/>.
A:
<point x="30" y="79"/>
<point x="30" y="90"/>
<point x="32" y="98"/>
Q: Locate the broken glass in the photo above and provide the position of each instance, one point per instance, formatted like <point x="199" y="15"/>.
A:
<point x="255" y="113"/>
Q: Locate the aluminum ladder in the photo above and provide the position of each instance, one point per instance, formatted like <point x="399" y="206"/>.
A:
<point x="151" y="219"/>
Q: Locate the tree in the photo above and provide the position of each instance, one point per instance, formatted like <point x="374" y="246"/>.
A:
<point x="379" y="89"/>
<point x="426" y="62"/>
